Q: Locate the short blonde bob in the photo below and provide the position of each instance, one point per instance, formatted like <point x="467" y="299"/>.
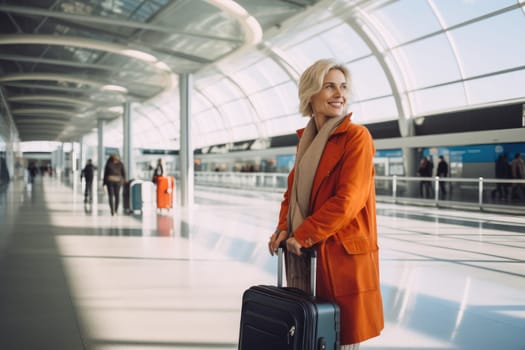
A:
<point x="311" y="82"/>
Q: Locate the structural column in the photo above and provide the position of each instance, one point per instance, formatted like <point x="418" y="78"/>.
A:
<point x="410" y="160"/>
<point x="100" y="160"/>
<point x="10" y="159"/>
<point x="406" y="128"/>
<point x="127" y="142"/>
<point x="81" y="154"/>
<point x="54" y="161"/>
<point x="61" y="162"/>
<point x="186" y="149"/>
<point x="74" y="156"/>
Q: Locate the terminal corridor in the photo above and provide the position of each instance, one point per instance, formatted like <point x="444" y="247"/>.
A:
<point x="75" y="277"/>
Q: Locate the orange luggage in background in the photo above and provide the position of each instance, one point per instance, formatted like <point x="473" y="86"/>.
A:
<point x="165" y="191"/>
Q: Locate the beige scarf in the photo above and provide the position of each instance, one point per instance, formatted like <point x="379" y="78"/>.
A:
<point x="309" y="152"/>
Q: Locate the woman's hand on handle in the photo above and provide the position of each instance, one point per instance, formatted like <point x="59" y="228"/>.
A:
<point x="275" y="240"/>
<point x="293" y="246"/>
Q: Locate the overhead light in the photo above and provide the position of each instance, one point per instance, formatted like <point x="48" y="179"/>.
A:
<point x="251" y="27"/>
<point x="39" y="146"/>
<point x="143" y="56"/>
<point x="115" y="88"/>
<point x="231" y="7"/>
<point x="255" y="30"/>
<point x="162" y="66"/>
<point x="81" y="42"/>
<point x="116" y="109"/>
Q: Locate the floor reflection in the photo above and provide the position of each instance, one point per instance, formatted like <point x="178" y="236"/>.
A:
<point x="164" y="224"/>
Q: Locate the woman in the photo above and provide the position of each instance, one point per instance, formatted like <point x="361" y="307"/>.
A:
<point x="114" y="177"/>
<point x="330" y="204"/>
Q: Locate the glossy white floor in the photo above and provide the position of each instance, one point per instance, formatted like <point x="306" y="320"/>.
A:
<point x="73" y="277"/>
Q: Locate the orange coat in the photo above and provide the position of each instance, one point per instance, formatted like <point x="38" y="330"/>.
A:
<point x="342" y="226"/>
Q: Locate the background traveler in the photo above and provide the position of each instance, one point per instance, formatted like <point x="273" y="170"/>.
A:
<point x="518" y="173"/>
<point x="32" y="171"/>
<point x="87" y="173"/>
<point x="502" y="171"/>
<point x="425" y="170"/>
<point x="159" y="170"/>
<point x="114" y="177"/>
<point x="330" y="204"/>
<point x="442" y="171"/>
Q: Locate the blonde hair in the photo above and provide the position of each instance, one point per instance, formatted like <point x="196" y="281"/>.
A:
<point x="311" y="82"/>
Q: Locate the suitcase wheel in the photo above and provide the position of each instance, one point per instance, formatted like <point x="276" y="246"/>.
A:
<point x="321" y="344"/>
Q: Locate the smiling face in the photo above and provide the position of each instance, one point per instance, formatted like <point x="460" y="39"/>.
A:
<point x="331" y="100"/>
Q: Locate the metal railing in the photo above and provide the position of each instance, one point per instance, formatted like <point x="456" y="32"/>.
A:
<point x="483" y="194"/>
<point x="468" y="193"/>
<point x="249" y="181"/>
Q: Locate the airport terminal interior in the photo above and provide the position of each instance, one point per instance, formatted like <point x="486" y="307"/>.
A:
<point x="209" y="88"/>
<point x="75" y="277"/>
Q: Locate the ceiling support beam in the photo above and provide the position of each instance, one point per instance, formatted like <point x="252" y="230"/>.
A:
<point x="71" y="17"/>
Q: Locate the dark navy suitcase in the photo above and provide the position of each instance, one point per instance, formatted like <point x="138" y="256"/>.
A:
<point x="280" y="318"/>
<point x="125" y="196"/>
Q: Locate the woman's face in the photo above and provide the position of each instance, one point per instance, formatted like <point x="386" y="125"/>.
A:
<point x="331" y="100"/>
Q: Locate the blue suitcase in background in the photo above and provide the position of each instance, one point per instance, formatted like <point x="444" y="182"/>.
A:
<point x="277" y="318"/>
<point x="142" y="195"/>
<point x="135" y="196"/>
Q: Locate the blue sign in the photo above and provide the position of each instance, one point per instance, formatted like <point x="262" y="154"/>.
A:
<point x="478" y="153"/>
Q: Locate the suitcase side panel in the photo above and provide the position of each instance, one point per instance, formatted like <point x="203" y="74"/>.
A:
<point x="286" y="319"/>
<point x="136" y="195"/>
<point x="270" y="321"/>
<point x="325" y="312"/>
<point x="148" y="194"/>
<point x="328" y="325"/>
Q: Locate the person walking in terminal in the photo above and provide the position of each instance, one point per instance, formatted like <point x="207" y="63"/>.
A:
<point x="87" y="173"/>
<point x="425" y="170"/>
<point x="329" y="204"/>
<point x="502" y="172"/>
<point x="442" y="171"/>
<point x="114" y="177"/>
<point x="32" y="170"/>
<point x="159" y="171"/>
<point x="518" y="173"/>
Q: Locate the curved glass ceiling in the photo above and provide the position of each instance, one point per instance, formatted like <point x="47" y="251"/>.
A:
<point x="407" y="59"/>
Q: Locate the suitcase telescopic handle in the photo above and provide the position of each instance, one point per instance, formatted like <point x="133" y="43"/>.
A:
<point x="311" y="252"/>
